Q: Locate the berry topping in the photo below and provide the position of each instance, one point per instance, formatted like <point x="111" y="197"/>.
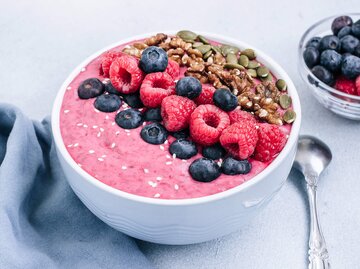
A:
<point x="133" y="100"/>
<point x="129" y="118"/>
<point x="154" y="133"/>
<point x="214" y="152"/>
<point x="106" y="62"/>
<point x="107" y="102"/>
<point x="204" y="170"/>
<point x="331" y="60"/>
<point x="311" y="56"/>
<point x="153" y="59"/>
<point x="329" y="42"/>
<point x="90" y="88"/>
<point x="355" y="29"/>
<point x="125" y="75"/>
<point x="206" y="95"/>
<point x="239" y="115"/>
<point x="344" y="32"/>
<point x="224" y="99"/>
<point x="345" y="85"/>
<point x="357" y="85"/>
<point x="176" y="112"/>
<point x="207" y="123"/>
<point x="185" y="133"/>
<point x="155" y="87"/>
<point x="173" y="69"/>
<point x="239" y="139"/>
<point x="231" y="166"/>
<point x="271" y="141"/>
<point x="350" y="67"/>
<point x="189" y="87"/>
<point x="183" y="148"/>
<point x="357" y="51"/>
<point x="313" y="42"/>
<point x="349" y="43"/>
<point x="111" y="89"/>
<point x="339" y="23"/>
<point x="153" y="114"/>
<point x="323" y="74"/>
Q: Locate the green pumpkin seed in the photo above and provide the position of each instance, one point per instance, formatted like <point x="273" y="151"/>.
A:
<point x="250" y="53"/>
<point x="186" y="35"/>
<point x="226" y="49"/>
<point x="244" y="60"/>
<point x="262" y="71"/>
<point x="253" y="64"/>
<point x="216" y="49"/>
<point x="269" y="77"/>
<point x="252" y="73"/>
<point x="203" y="39"/>
<point x="197" y="44"/>
<point x="231" y="58"/>
<point x="234" y="66"/>
<point x="285" y="101"/>
<point x="204" y="49"/>
<point x="208" y="54"/>
<point x="281" y="84"/>
<point x="289" y="116"/>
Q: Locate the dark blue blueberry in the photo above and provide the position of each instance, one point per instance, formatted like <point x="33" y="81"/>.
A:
<point x="330" y="42"/>
<point x="357" y="51"/>
<point x="189" y="87"/>
<point x="153" y="59"/>
<point x="344" y="31"/>
<point x="133" y="100"/>
<point x="214" y="152"/>
<point x="183" y="148"/>
<point x="225" y="100"/>
<point x="355" y="29"/>
<point x="313" y="42"/>
<point x="111" y="89"/>
<point x="339" y="23"/>
<point x="204" y="170"/>
<point x="107" y="102"/>
<point x="349" y="43"/>
<point x="311" y="56"/>
<point x="350" y="67"/>
<point x="181" y="134"/>
<point x="323" y="74"/>
<point x="90" y="88"/>
<point x="331" y="60"/>
<point x="153" y="114"/>
<point x="231" y="166"/>
<point x="154" y="133"/>
<point x="129" y="119"/>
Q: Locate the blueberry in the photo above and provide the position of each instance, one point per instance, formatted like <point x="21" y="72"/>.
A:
<point x="344" y="55"/>
<point x="154" y="133"/>
<point x="313" y="42"/>
<point x="189" y="87"/>
<point x="225" y="100"/>
<point x="350" y="67"/>
<point x="129" y="118"/>
<point x="355" y="29"/>
<point x="323" y="74"/>
<point x="153" y="114"/>
<point x="90" y="88"/>
<point x="183" y="148"/>
<point x="153" y="59"/>
<point x="329" y="42"/>
<point x="344" y="31"/>
<point x="111" y="89"/>
<point x="349" y="43"/>
<point x="331" y="60"/>
<point x="214" y="152"/>
<point x="311" y="56"/>
<point x="181" y="134"/>
<point x="357" y="51"/>
<point x="107" y="102"/>
<point x="339" y="23"/>
<point x="204" y="170"/>
<point x="231" y="166"/>
<point x="133" y="100"/>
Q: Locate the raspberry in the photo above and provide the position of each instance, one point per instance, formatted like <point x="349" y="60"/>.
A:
<point x="206" y="95"/>
<point x="106" y="61"/>
<point x="206" y="124"/>
<point x="239" y="115"/>
<point x="176" y="112"/>
<point x="357" y="84"/>
<point x="345" y="85"/>
<point x="271" y="142"/>
<point x="155" y="87"/>
<point x="125" y="75"/>
<point x="173" y="69"/>
<point x="239" y="139"/>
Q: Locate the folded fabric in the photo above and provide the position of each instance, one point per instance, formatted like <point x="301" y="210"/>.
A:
<point x="42" y="223"/>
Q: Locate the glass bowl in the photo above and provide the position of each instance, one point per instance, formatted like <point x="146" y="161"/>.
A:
<point x="343" y="104"/>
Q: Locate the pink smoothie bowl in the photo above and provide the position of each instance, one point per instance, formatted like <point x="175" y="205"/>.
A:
<point x="180" y="221"/>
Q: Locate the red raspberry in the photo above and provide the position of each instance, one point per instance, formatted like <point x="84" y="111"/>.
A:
<point x="345" y="85"/>
<point x="206" y="124"/>
<point x="357" y="84"/>
<point x="239" y="139"/>
<point x="173" y="69"/>
<point x="271" y="141"/>
<point x="176" y="111"/>
<point x="206" y="95"/>
<point x="239" y="115"/>
<point x="106" y="61"/>
<point x="125" y="74"/>
<point x="155" y="87"/>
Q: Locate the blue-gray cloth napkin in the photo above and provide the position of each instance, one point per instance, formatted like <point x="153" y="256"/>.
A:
<point x="42" y="223"/>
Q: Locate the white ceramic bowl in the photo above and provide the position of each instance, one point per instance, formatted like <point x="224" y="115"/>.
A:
<point x="184" y="221"/>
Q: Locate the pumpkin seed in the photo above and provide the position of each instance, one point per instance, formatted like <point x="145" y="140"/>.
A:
<point x="281" y="84"/>
<point x="262" y="71"/>
<point x="203" y="39"/>
<point x="234" y="66"/>
<point x="204" y="49"/>
<point x="216" y="49"/>
<point x="186" y="35"/>
<point x="252" y="73"/>
<point x="250" y="53"/>
<point x="253" y="64"/>
<point x="244" y="60"/>
<point x="226" y="49"/>
<point x="231" y="58"/>
<point x="208" y="54"/>
<point x="289" y="116"/>
<point x="285" y="101"/>
<point x="269" y="77"/>
<point x="197" y="44"/>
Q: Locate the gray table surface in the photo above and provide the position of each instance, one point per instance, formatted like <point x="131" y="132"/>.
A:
<point x="42" y="41"/>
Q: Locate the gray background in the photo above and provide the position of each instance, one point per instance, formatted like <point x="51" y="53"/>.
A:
<point x="42" y="41"/>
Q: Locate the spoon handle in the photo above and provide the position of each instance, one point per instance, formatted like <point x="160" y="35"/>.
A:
<point x="318" y="254"/>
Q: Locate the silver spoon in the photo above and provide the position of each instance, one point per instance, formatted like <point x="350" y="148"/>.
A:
<point x="312" y="157"/>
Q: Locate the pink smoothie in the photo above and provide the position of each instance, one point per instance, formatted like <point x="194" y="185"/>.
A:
<point x="122" y="160"/>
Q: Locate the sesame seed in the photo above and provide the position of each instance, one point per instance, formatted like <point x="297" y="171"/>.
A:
<point x="102" y="129"/>
<point x="158" y="178"/>
<point x="176" y="186"/>
<point x="174" y="156"/>
<point x="166" y="142"/>
<point x="117" y="132"/>
<point x="127" y="131"/>
<point x="91" y="151"/>
<point x="68" y="88"/>
<point x="127" y="47"/>
<point x="287" y="136"/>
<point x="144" y="123"/>
<point x="168" y="163"/>
<point x="76" y="144"/>
<point x="128" y="134"/>
<point x="95" y="126"/>
<point x="66" y="111"/>
<point x="70" y="145"/>
<point x="125" y="105"/>
<point x="79" y="164"/>
<point x="168" y="156"/>
<point x="123" y="167"/>
<point x="85" y="126"/>
<point x="106" y="117"/>
<point x="113" y="123"/>
<point x="83" y="69"/>
<point x="152" y="184"/>
<point x="184" y="161"/>
<point x="100" y="159"/>
<point x="146" y="170"/>
<point x="103" y="156"/>
<point x="162" y="147"/>
<point x="113" y="145"/>
<point x="79" y="124"/>
<point x="97" y="111"/>
<point x="257" y="126"/>
<point x="157" y="195"/>
<point x="99" y="134"/>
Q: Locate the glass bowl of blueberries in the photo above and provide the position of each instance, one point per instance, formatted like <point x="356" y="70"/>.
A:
<point x="329" y="62"/>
